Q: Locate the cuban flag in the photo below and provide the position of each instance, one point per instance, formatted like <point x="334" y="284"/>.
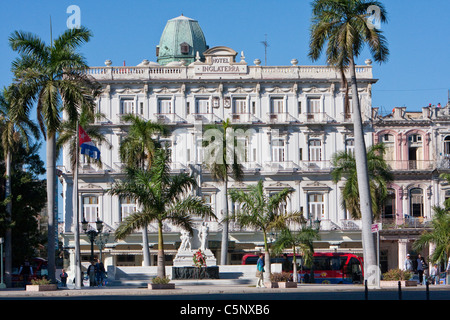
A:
<point x="87" y="146"/>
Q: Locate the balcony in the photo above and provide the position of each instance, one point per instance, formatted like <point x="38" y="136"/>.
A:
<point x="169" y="118"/>
<point x="204" y="118"/>
<point x="243" y="118"/>
<point x="282" y="117"/>
<point x="316" y="118"/>
<point x="281" y="166"/>
<point x="315" y="166"/>
<point x="410" y="165"/>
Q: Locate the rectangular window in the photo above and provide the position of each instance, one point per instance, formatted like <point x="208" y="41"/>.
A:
<point x="165" y="106"/>
<point x="314" y="106"/>
<point x="278" y="150"/>
<point x="240" y="106"/>
<point x="203" y="106"/>
<point x="127" y="106"/>
<point x="316" y="206"/>
<point x="90" y="208"/>
<point x="127" y="207"/>
<point x="315" y="150"/>
<point x="277" y="106"/>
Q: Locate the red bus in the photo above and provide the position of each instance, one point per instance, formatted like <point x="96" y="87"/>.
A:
<point x="327" y="268"/>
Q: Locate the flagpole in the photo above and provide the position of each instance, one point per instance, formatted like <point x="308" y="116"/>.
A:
<point x="76" y="215"/>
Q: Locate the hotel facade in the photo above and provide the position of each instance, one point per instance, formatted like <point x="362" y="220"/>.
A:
<point x="297" y="121"/>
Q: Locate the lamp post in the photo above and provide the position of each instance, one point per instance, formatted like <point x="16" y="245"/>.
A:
<point x="101" y="241"/>
<point x="2" y="285"/>
<point x="91" y="233"/>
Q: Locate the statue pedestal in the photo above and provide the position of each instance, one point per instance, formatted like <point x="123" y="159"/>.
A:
<point x="185" y="258"/>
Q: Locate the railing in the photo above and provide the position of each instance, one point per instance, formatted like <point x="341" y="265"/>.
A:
<point x="277" y="166"/>
<point x="205" y="117"/>
<point x="177" y="72"/>
<point x="282" y="117"/>
<point x="243" y="118"/>
<point x="319" y="117"/>
<point x="315" y="166"/>
<point x="408" y="165"/>
<point x="169" y="118"/>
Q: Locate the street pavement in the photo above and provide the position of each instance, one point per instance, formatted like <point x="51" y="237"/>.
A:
<point x="190" y="288"/>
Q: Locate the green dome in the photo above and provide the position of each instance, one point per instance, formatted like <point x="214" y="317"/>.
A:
<point x="181" y="39"/>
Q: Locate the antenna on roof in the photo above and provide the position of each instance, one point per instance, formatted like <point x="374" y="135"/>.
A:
<point x="265" y="44"/>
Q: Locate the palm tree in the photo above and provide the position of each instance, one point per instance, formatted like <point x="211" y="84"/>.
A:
<point x="137" y="149"/>
<point x="161" y="198"/>
<point x="344" y="25"/>
<point x="344" y="165"/>
<point x="139" y="146"/>
<point x="53" y="76"/>
<point x="223" y="166"/>
<point x="260" y="211"/>
<point x="438" y="234"/>
<point x="15" y="128"/>
<point x="302" y="239"/>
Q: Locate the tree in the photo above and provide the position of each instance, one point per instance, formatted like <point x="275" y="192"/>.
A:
<point x="344" y="165"/>
<point x="137" y="150"/>
<point x="438" y="234"/>
<point x="343" y="24"/>
<point x="15" y="128"/>
<point x="260" y="211"/>
<point x="54" y="77"/>
<point x="161" y="198"/>
<point x="222" y="162"/>
<point x="302" y="240"/>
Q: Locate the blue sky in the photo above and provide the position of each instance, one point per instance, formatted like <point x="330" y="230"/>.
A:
<point x="417" y="73"/>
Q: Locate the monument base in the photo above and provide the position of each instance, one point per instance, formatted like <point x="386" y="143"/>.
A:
<point x="185" y="258"/>
<point x="195" y="273"/>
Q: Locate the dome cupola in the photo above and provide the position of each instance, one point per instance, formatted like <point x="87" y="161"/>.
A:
<point x="181" y="39"/>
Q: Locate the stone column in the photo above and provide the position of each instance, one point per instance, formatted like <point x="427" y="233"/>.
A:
<point x="402" y="251"/>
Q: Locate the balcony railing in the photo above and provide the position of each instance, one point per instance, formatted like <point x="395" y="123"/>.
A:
<point x="315" y="166"/>
<point x="169" y="118"/>
<point x="410" y="165"/>
<point x="283" y="117"/>
<point x="243" y="118"/>
<point x="204" y="118"/>
<point x="319" y="117"/>
<point x="278" y="166"/>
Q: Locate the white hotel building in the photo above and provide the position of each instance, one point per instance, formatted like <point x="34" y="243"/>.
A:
<point x="296" y="112"/>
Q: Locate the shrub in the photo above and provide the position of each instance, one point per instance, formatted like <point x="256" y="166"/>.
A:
<point x="397" y="274"/>
<point x="280" y="277"/>
<point x="159" y="280"/>
<point x="40" y="281"/>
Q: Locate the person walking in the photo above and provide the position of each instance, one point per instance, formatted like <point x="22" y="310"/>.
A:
<point x="260" y="271"/>
<point x="25" y="271"/>
<point x="434" y="273"/>
<point x="63" y="276"/>
<point x="100" y="272"/>
<point x="420" y="267"/>
<point x="92" y="274"/>
<point x="408" y="263"/>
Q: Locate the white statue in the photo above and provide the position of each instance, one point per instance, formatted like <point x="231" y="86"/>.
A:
<point x="203" y="236"/>
<point x="185" y="241"/>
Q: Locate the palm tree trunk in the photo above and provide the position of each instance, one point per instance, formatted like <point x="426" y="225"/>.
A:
<point x="51" y="179"/>
<point x="267" y="256"/>
<point x="8" y="232"/>
<point x="365" y="201"/>
<point x="161" y="259"/>
<point x="145" y="249"/>
<point x="224" y="244"/>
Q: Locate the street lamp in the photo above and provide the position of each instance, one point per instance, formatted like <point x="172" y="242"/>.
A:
<point x="101" y="241"/>
<point x="91" y="233"/>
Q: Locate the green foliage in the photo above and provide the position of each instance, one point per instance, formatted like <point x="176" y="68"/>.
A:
<point x="40" y="282"/>
<point x="160" y="280"/>
<point x="397" y="275"/>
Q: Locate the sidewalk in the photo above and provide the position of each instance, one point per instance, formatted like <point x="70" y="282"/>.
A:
<point x="194" y="287"/>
